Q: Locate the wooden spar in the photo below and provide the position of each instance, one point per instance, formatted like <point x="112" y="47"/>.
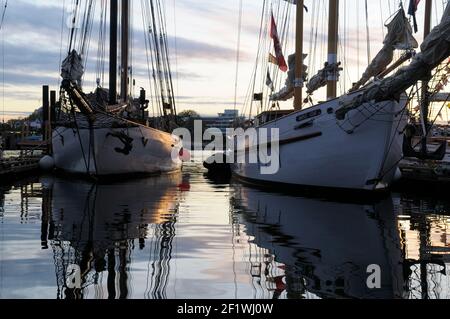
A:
<point x="113" y="53"/>
<point x="298" y="82"/>
<point x="405" y="57"/>
<point x="425" y="99"/>
<point x="333" y="27"/>
<point x="125" y="50"/>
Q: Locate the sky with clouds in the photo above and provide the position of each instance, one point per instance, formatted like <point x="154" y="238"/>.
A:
<point x="206" y="35"/>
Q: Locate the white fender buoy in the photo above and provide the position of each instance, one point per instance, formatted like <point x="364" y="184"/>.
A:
<point x="47" y="163"/>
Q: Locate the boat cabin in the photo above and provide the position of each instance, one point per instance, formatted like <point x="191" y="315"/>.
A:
<point x="270" y="116"/>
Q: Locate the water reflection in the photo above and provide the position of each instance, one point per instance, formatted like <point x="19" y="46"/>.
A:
<point x="326" y="247"/>
<point x="192" y="235"/>
<point x="97" y="226"/>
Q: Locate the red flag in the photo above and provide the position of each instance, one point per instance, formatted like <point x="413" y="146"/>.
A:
<point x="277" y="45"/>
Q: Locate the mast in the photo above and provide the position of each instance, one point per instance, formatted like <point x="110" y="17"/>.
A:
<point x="333" y="27"/>
<point x="298" y="82"/>
<point x="425" y="94"/>
<point x="427" y="27"/>
<point x="125" y="50"/>
<point x="113" y="53"/>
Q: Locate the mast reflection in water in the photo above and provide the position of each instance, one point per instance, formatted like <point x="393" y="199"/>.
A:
<point x="96" y="227"/>
<point x="327" y="248"/>
<point x="187" y="236"/>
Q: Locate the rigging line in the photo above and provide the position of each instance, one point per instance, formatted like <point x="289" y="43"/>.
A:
<point x="157" y="51"/>
<point x="131" y="86"/>
<point x="367" y="33"/>
<point x="252" y="84"/>
<point x="176" y="46"/>
<point x="167" y="76"/>
<point x="314" y="49"/>
<point x="3" y="14"/>
<point x="238" y="52"/>
<point x="87" y="32"/>
<point x="358" y="62"/>
<point x="3" y="64"/>
<point x="279" y="16"/>
<point x="167" y="61"/>
<point x="74" y="27"/>
<point x="157" y="85"/>
<point x="100" y="48"/>
<point x="266" y="44"/>
<point x="347" y="78"/>
<point x="164" y="52"/>
<point x="257" y="56"/>
<point x="61" y="41"/>
<point x="382" y="19"/>
<point x="277" y="75"/>
<point x="153" y="97"/>
<point x="311" y="33"/>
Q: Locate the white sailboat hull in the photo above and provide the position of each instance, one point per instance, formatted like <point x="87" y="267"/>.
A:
<point x="99" y="152"/>
<point x="359" y="153"/>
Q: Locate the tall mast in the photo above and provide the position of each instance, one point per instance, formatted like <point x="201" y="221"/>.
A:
<point x="425" y="98"/>
<point x="427" y="27"/>
<point x="333" y="27"/>
<point x="298" y="82"/>
<point x="125" y="50"/>
<point x="113" y="53"/>
<point x="425" y="104"/>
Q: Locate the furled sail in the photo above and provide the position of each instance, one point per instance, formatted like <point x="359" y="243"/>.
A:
<point x="399" y="37"/>
<point x="72" y="68"/>
<point x="287" y="92"/>
<point x="434" y="50"/>
<point x="320" y="79"/>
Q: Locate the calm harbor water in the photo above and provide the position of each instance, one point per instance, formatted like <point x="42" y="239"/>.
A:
<point x="187" y="236"/>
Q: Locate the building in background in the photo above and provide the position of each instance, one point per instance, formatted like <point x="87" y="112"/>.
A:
<point x="227" y="119"/>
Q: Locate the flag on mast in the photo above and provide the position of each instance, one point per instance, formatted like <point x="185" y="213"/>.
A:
<point x="277" y="46"/>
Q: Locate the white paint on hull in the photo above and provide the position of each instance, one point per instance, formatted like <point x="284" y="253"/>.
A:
<point x="364" y="157"/>
<point x="95" y="152"/>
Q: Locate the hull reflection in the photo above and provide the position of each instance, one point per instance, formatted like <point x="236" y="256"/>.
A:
<point x="326" y="247"/>
<point x="95" y="228"/>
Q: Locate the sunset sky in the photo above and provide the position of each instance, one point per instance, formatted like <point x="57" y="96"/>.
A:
<point x="206" y="33"/>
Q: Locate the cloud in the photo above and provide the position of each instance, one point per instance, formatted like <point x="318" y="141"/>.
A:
<point x="33" y="50"/>
<point x="206" y="100"/>
<point x="16" y="113"/>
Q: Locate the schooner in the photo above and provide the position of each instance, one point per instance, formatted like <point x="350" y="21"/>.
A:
<point x="105" y="134"/>
<point x="352" y="142"/>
